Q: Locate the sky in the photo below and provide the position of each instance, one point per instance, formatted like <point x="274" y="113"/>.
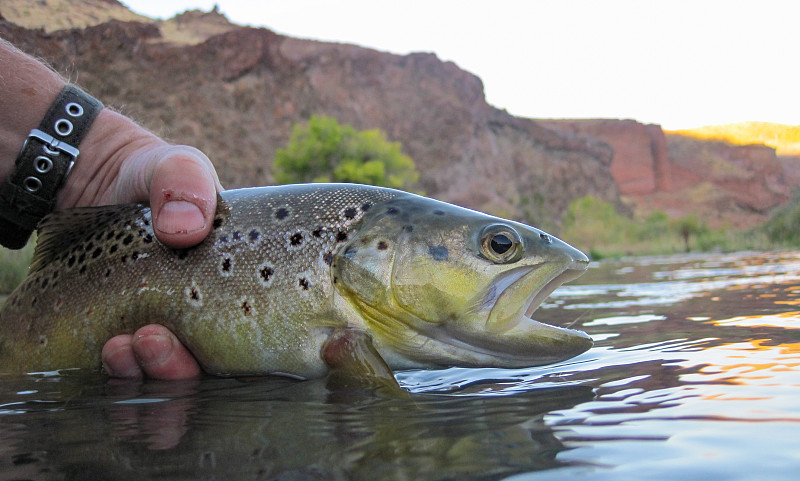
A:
<point x="678" y="63"/>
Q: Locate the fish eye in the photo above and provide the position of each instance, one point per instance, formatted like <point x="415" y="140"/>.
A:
<point x="501" y="244"/>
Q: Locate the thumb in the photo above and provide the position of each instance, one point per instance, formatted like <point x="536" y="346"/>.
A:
<point x="183" y="196"/>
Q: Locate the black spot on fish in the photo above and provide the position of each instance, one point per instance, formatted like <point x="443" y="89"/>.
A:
<point x="124" y="258"/>
<point x="350" y="213"/>
<point x="82" y="270"/>
<point x="237" y="235"/>
<point x="439" y="253"/>
<point x="71" y="261"/>
<point x="226" y="264"/>
<point x="438" y="212"/>
<point x="110" y="235"/>
<point x="146" y="221"/>
<point x="365" y="207"/>
<point x="128" y="239"/>
<point x="296" y="239"/>
<point x="350" y="252"/>
<point x="545" y="238"/>
<point x="281" y="213"/>
<point x="194" y="294"/>
<point x="382" y="246"/>
<point x="147" y="239"/>
<point x="44" y="283"/>
<point x="266" y="273"/>
<point x="217" y="223"/>
<point x="392" y="211"/>
<point x="328" y="258"/>
<point x="119" y="235"/>
<point x="97" y="253"/>
<point x="304" y="283"/>
<point x="89" y="246"/>
<point x="408" y="228"/>
<point x="82" y="259"/>
<point x="248" y="311"/>
<point x="42" y="340"/>
<point x="108" y="272"/>
<point x="113" y="249"/>
<point x="223" y="239"/>
<point x="318" y="231"/>
<point x="182" y="253"/>
<point x="341" y="236"/>
<point x="135" y="256"/>
<point x="253" y="235"/>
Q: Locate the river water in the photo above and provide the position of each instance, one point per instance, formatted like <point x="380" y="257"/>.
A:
<point x="695" y="375"/>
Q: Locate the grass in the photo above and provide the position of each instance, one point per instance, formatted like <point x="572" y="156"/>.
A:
<point x="593" y="226"/>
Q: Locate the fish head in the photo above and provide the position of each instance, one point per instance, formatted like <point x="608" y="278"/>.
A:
<point x="439" y="285"/>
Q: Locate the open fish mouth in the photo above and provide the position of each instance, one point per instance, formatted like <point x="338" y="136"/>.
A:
<point x="524" y="290"/>
<point x="572" y="272"/>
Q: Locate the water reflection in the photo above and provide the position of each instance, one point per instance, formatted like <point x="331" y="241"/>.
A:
<point x="275" y="430"/>
<point x="694" y="375"/>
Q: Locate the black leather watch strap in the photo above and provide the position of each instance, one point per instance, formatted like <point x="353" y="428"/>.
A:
<point x="43" y="164"/>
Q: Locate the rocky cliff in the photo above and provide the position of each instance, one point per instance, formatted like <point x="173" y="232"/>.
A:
<point x="724" y="183"/>
<point x="237" y="94"/>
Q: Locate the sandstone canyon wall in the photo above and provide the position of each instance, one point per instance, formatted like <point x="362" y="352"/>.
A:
<point x="725" y="184"/>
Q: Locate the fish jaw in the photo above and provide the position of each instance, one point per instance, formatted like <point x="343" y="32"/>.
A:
<point x="511" y="338"/>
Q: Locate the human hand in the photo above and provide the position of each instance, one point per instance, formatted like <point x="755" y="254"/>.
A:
<point x="119" y="162"/>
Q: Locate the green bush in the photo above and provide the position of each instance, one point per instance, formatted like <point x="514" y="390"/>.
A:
<point x="594" y="226"/>
<point x="325" y="151"/>
<point x="783" y="227"/>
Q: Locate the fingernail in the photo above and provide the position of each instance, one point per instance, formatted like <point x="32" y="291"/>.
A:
<point x="180" y="217"/>
<point x="118" y="357"/>
<point x="153" y="349"/>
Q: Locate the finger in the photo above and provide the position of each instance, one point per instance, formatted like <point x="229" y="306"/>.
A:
<point x="183" y="197"/>
<point x="162" y="356"/>
<point x="118" y="358"/>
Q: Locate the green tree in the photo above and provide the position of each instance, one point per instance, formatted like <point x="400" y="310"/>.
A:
<point x="325" y="151"/>
<point x="688" y="226"/>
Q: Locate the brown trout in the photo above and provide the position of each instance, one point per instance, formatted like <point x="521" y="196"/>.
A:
<point x="297" y="280"/>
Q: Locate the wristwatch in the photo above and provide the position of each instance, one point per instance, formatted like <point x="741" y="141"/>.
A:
<point x="43" y="164"/>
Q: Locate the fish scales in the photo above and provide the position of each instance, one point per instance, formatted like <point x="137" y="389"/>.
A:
<point x="264" y="266"/>
<point x="413" y="281"/>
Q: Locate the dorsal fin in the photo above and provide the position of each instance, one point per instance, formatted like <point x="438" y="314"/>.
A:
<point x="62" y="230"/>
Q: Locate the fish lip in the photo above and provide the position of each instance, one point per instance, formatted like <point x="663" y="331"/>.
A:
<point x="573" y="342"/>
<point x="572" y="271"/>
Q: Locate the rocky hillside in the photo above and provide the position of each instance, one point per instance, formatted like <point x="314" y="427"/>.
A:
<point x="235" y="92"/>
<point x="237" y="95"/>
<point x="725" y="183"/>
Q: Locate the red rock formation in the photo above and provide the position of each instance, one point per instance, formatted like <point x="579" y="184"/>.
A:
<point x="734" y="185"/>
<point x="640" y="164"/>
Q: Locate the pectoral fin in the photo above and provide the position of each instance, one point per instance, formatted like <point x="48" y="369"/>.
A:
<point x="355" y="363"/>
